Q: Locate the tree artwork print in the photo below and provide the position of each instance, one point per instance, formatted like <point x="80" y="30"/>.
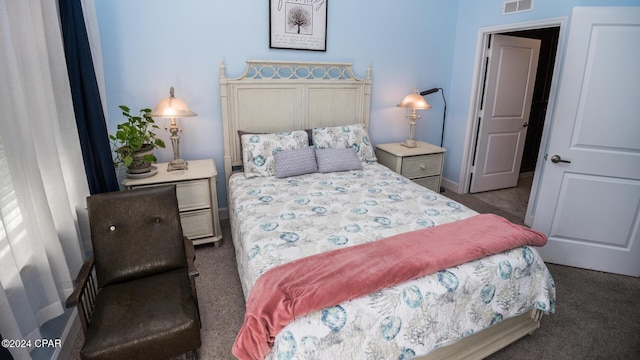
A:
<point x="298" y="24"/>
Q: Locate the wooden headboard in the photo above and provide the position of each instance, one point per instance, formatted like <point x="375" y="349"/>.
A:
<point x="273" y="96"/>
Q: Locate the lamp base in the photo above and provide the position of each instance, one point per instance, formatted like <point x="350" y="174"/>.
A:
<point x="409" y="143"/>
<point x="177" y="164"/>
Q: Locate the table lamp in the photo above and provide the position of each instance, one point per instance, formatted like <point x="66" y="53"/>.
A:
<point x="173" y="108"/>
<point x="413" y="101"/>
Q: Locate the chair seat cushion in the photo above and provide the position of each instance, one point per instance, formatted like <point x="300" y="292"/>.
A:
<point x="149" y="318"/>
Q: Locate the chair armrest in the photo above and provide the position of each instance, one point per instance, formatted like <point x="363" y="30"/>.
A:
<point x="191" y="257"/>
<point x="80" y="283"/>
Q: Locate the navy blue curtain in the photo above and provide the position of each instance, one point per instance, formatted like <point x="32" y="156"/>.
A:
<point x="4" y="352"/>
<point x="92" y="129"/>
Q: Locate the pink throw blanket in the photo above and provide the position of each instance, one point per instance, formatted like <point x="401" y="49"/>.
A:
<point x="319" y="281"/>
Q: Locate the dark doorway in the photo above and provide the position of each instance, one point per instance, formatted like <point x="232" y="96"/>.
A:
<point x="548" y="47"/>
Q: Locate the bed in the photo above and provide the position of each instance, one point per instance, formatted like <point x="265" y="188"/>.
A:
<point x="283" y="214"/>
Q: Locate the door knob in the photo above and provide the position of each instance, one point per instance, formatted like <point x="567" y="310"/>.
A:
<point x="557" y="159"/>
<point x="525" y="124"/>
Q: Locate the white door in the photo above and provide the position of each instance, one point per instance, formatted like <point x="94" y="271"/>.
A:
<point x="589" y="207"/>
<point x="511" y="76"/>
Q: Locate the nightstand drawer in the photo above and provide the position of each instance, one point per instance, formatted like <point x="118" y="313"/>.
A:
<point x="193" y="195"/>
<point x="421" y="166"/>
<point x="197" y="224"/>
<point x="431" y="182"/>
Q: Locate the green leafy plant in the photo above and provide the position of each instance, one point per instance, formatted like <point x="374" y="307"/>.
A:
<point x="134" y="135"/>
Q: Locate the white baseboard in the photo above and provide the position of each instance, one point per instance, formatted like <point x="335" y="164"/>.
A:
<point x="223" y="213"/>
<point x="451" y="185"/>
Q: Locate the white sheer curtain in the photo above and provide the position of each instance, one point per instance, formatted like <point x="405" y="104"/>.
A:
<point x="42" y="177"/>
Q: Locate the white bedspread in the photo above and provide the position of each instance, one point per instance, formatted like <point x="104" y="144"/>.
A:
<point x="275" y="221"/>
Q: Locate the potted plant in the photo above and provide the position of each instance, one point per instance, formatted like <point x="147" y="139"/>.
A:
<point x="135" y="141"/>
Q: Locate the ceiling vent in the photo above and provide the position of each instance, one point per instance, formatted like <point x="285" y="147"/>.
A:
<point x="511" y="7"/>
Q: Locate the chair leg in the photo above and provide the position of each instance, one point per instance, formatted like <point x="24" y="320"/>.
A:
<point x="194" y="354"/>
<point x="195" y="296"/>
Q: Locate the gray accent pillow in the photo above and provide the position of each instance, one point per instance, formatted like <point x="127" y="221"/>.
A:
<point x="295" y="162"/>
<point x="334" y="160"/>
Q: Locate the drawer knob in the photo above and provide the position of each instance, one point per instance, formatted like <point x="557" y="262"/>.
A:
<point x="422" y="167"/>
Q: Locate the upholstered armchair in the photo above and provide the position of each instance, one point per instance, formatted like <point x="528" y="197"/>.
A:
<point x="136" y="296"/>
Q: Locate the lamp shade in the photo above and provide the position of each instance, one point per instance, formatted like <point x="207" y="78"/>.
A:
<point x="172" y="107"/>
<point x="414" y="101"/>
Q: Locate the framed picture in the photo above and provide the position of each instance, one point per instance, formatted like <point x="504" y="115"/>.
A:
<point x="298" y="24"/>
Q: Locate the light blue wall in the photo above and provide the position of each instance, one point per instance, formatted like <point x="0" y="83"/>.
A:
<point x="150" y="45"/>
<point x="473" y="15"/>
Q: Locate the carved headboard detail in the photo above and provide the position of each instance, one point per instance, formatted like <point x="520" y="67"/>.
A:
<point x="272" y="96"/>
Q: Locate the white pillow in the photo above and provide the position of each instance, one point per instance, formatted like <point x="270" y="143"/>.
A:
<point x="258" y="150"/>
<point x="347" y="136"/>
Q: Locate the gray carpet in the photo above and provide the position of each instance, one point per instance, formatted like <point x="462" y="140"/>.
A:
<point x="597" y="315"/>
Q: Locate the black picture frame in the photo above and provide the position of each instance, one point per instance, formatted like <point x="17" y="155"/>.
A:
<point x="298" y="24"/>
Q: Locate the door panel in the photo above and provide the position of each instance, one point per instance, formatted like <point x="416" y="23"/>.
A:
<point x="589" y="207"/>
<point x="582" y="210"/>
<point x="502" y="161"/>
<point x="511" y="73"/>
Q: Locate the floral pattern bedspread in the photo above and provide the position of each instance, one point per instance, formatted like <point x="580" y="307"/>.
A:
<point x="275" y="221"/>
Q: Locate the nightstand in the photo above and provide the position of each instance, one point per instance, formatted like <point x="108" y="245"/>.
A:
<point x="422" y="164"/>
<point x="197" y="198"/>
